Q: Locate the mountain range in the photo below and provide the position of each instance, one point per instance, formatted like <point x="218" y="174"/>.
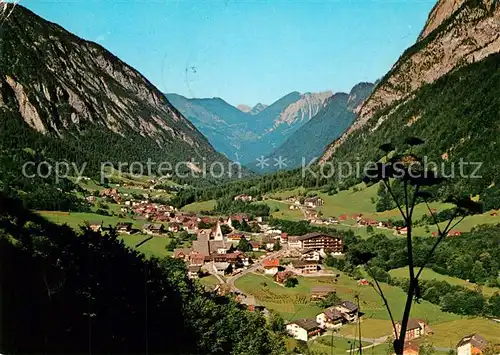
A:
<point x="246" y="134"/>
<point x="310" y="141"/>
<point x="73" y="100"/>
<point x="251" y="110"/>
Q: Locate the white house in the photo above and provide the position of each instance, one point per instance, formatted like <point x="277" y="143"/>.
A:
<point x="303" y="329"/>
<point x="330" y="319"/>
<point x="310" y="255"/>
<point x="349" y="311"/>
<point x="271" y="266"/>
<point x="473" y="344"/>
<point x="269" y="246"/>
<point x="273" y="231"/>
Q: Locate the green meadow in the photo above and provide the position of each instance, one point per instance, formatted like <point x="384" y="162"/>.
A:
<point x="294" y="303"/>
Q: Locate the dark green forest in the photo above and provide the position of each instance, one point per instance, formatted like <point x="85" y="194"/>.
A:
<point x="67" y="292"/>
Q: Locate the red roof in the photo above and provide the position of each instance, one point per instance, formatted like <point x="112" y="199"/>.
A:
<point x="271" y="263"/>
<point x="239" y="217"/>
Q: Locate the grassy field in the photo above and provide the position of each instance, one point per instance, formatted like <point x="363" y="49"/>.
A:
<point x="76" y="219"/>
<point x="286" y="193"/>
<point x="429" y="274"/>
<point x="153" y="247"/>
<point x="209" y="280"/>
<point x="294" y="303"/>
<point x="283" y="211"/>
<point x="358" y="200"/>
<point x="199" y="206"/>
<point x="324" y="344"/>
<point x="363" y="233"/>
<point x="466" y="225"/>
<point x="370" y="328"/>
<point x="448" y="334"/>
<point x="90" y="185"/>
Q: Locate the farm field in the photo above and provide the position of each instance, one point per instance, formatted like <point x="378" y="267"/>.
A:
<point x="370" y="328"/>
<point x="199" y="206"/>
<point x="429" y="274"/>
<point x="448" y="334"/>
<point x="358" y="200"/>
<point x="294" y="303"/>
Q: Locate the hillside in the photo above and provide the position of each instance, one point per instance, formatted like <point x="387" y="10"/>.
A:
<point x="456" y="34"/>
<point x="329" y="123"/>
<point x="456" y="117"/>
<point x="247" y="133"/>
<point x="77" y="102"/>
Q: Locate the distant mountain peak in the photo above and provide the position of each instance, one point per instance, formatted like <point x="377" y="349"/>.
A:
<point x="244" y="108"/>
<point x="258" y="108"/>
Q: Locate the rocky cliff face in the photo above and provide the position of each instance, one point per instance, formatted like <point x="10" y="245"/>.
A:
<point x="456" y="34"/>
<point x="302" y="110"/>
<point x="441" y="12"/>
<point x="244" y="108"/>
<point x="64" y="87"/>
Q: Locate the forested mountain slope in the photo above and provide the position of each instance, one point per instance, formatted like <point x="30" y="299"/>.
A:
<point x="457" y="117"/>
<point x="456" y="34"/>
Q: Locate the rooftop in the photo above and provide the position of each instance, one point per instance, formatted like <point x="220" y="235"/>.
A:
<point x="349" y="305"/>
<point x="307" y="324"/>
<point x="271" y="263"/>
<point x="475" y="340"/>
<point x="316" y="234"/>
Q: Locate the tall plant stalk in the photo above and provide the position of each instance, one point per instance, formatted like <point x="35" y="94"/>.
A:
<point x="408" y="169"/>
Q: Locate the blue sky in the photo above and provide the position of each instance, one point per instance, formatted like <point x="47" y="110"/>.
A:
<point x="247" y="51"/>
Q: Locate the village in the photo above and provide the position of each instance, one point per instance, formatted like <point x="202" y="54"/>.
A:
<point x="218" y="248"/>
